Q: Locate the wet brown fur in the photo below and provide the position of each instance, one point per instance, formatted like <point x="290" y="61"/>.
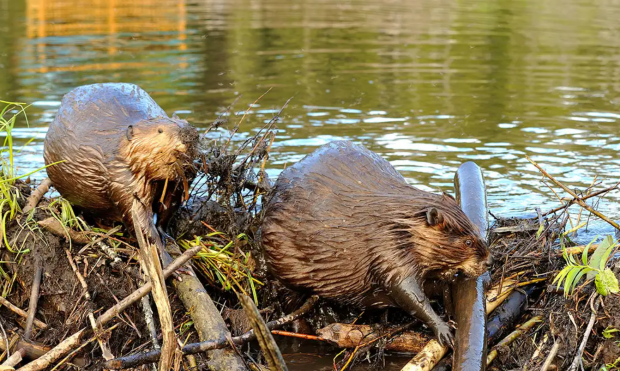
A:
<point x="117" y="145"/>
<point x="343" y="223"/>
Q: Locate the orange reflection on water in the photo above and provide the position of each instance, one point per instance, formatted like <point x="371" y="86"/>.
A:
<point x="166" y="19"/>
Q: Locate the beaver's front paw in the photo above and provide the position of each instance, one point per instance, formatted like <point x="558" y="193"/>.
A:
<point x="444" y="334"/>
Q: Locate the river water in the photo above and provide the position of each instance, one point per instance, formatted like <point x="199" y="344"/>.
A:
<point x="427" y="84"/>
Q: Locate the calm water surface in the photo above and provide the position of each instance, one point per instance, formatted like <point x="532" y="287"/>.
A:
<point x="427" y="84"/>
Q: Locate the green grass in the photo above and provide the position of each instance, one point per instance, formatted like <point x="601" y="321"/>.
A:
<point x="223" y="262"/>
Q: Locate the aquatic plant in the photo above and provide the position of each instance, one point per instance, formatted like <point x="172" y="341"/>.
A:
<point x="594" y="268"/>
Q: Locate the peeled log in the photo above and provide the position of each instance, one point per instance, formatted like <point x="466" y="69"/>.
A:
<point x="349" y="336"/>
<point x="468" y="295"/>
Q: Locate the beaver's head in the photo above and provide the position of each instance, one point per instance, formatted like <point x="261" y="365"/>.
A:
<point x="438" y="239"/>
<point x="160" y="148"/>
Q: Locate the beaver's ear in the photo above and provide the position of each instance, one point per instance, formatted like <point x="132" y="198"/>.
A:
<point x="433" y="217"/>
<point x="129" y="132"/>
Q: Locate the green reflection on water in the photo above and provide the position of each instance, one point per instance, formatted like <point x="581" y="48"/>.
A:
<point x="428" y="84"/>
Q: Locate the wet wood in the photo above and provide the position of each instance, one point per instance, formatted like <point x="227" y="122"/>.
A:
<point x="350" y="336"/>
<point x="268" y="345"/>
<point x="206" y="318"/>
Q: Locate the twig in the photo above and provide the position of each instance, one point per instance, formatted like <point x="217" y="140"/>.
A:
<point x="573" y="201"/>
<point x="297" y="335"/>
<point x="152" y="267"/>
<point x="34" y="298"/>
<point x="36" y="195"/>
<point x="193" y="348"/>
<point x="105" y="349"/>
<point x="552" y="354"/>
<point x="53" y="225"/>
<point x="270" y="349"/>
<point x="512" y="337"/>
<point x="578" y="200"/>
<point x="139" y="293"/>
<point x="77" y="273"/>
<point x="577" y="360"/>
<point x="13" y="360"/>
<point x="58" y="351"/>
<point x="6" y="340"/>
<point x="150" y="321"/>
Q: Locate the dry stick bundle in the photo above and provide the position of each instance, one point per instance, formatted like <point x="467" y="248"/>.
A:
<point x="152" y="267"/>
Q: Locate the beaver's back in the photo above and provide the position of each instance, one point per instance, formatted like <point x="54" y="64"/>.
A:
<point x="324" y="218"/>
<point x="86" y="134"/>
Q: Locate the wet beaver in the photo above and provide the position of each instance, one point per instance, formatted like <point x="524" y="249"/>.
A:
<point x="344" y="224"/>
<point x="118" y="145"/>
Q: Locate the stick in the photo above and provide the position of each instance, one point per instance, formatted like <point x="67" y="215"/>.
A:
<point x="512" y="337"/>
<point x="551" y="356"/>
<point x="577" y="360"/>
<point x="152" y="267"/>
<point x="144" y="290"/>
<point x="13" y="360"/>
<point x="597" y="193"/>
<point x="193" y="348"/>
<point x="578" y="200"/>
<point x="34" y="298"/>
<point x="270" y="349"/>
<point x="58" y="351"/>
<point x="78" y="274"/>
<point x="36" y="195"/>
<point x="54" y="226"/>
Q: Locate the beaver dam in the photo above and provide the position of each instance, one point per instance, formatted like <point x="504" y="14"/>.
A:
<point x="74" y="295"/>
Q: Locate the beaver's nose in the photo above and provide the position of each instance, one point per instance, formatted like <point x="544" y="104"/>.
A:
<point x="489" y="261"/>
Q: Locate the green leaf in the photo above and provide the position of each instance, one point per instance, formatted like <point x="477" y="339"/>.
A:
<point x="595" y="259"/>
<point x="561" y="276"/>
<point x="584" y="256"/>
<point x="578" y="278"/>
<point x="606" y="282"/>
<point x="605" y="256"/>
<point x="569" y="284"/>
<point x="540" y="230"/>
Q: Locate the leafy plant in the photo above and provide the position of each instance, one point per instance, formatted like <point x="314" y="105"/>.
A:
<point x="605" y="280"/>
<point x="608" y="333"/>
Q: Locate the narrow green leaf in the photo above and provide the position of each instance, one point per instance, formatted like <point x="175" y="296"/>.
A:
<point x="605" y="256"/>
<point x="578" y="278"/>
<point x="540" y="230"/>
<point x="569" y="284"/>
<point x="584" y="256"/>
<point x="561" y="276"/>
<point x="595" y="259"/>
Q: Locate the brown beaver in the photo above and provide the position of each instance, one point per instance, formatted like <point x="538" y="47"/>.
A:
<point x="118" y="145"/>
<point x="344" y="224"/>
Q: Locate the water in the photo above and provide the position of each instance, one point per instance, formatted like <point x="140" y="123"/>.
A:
<point x="427" y="84"/>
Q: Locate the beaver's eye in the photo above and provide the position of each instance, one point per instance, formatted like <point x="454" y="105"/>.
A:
<point x="468" y="242"/>
<point x="160" y="130"/>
